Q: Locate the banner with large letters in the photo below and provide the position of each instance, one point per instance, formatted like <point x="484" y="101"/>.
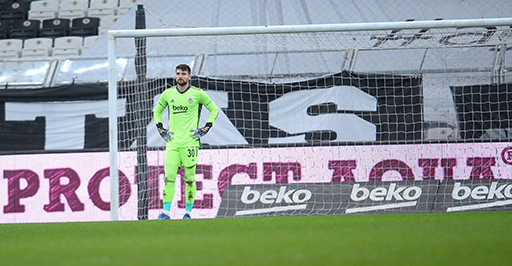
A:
<point x="65" y="187"/>
<point x="344" y="107"/>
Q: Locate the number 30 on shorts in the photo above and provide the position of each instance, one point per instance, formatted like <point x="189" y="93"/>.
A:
<point x="191" y="152"/>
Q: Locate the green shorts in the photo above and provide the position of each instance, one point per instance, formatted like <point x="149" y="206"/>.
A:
<point x="178" y="156"/>
<point x="175" y="157"/>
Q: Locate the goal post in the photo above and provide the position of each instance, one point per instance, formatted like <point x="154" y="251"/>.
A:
<point x="380" y="65"/>
<point x="311" y="28"/>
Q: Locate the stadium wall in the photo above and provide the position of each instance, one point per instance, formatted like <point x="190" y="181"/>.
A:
<point x="66" y="187"/>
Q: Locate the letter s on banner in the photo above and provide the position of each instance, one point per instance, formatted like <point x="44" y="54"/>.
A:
<point x="348" y="127"/>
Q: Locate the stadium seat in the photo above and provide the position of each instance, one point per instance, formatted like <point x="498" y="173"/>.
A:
<point x="85" y="26"/>
<point x="125" y="5"/>
<point x="73" y="8"/>
<point x="15" y="10"/>
<point x="101" y="8"/>
<point x="5" y="28"/>
<point x="37" y="47"/>
<point x="67" y="46"/>
<point x="42" y="10"/>
<point x="106" y="23"/>
<point x="25" y="29"/>
<point x="57" y="27"/>
<point x="10" y="48"/>
<point x="89" y="41"/>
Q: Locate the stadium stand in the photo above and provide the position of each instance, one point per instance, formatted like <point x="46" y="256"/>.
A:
<point x="35" y="29"/>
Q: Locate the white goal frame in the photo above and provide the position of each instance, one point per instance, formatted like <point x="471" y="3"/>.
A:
<point x="211" y="31"/>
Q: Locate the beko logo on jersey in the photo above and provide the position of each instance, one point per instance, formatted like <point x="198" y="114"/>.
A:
<point x="179" y="108"/>
<point x="385" y="194"/>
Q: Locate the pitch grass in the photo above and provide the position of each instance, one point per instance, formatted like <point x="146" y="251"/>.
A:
<point x="472" y="238"/>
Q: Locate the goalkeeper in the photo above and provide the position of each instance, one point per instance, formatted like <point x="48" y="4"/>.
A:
<point x="182" y="137"/>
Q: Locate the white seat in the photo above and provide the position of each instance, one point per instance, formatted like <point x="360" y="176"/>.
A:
<point x="73" y="8"/>
<point x="89" y="41"/>
<point x="37" y="47"/>
<point x="42" y="10"/>
<point x="125" y="5"/>
<point x="10" y="48"/>
<point x="106" y="23"/>
<point x="67" y="46"/>
<point x="102" y="8"/>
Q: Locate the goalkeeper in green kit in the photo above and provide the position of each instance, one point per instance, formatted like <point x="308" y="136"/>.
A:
<point x="182" y="137"/>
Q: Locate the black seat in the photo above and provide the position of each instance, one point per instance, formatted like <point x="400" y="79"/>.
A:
<point x="5" y="29"/>
<point x="14" y="10"/>
<point x="25" y="29"/>
<point x="86" y="26"/>
<point x="56" y="27"/>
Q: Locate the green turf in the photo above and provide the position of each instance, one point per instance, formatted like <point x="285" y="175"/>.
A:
<point x="472" y="238"/>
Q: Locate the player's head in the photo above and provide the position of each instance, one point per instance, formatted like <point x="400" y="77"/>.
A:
<point x="183" y="74"/>
<point x="183" y="67"/>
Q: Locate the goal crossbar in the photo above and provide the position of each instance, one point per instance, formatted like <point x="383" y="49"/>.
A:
<point x="431" y="24"/>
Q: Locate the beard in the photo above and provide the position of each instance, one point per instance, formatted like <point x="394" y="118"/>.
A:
<point x="182" y="82"/>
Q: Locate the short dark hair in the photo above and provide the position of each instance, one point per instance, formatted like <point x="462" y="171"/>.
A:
<point x="183" y="67"/>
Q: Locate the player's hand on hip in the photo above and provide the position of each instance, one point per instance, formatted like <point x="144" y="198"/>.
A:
<point x="200" y="132"/>
<point x="164" y="133"/>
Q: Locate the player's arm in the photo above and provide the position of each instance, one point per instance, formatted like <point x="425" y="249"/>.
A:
<point x="214" y="112"/>
<point x="157" y="116"/>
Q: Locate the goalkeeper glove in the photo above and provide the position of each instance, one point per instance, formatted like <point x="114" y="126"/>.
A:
<point x="200" y="132"/>
<point x="166" y="134"/>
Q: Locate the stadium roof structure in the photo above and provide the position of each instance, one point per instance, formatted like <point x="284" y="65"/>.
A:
<point x="234" y="13"/>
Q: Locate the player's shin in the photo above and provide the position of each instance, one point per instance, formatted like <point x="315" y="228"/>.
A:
<point x="190" y="188"/>
<point x="169" y="188"/>
<point x="190" y="195"/>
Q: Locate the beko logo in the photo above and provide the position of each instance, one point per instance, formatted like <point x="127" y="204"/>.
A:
<point x="382" y="193"/>
<point x="481" y="197"/>
<point x="179" y="108"/>
<point x="294" y="199"/>
<point x="482" y="192"/>
<point x="392" y="196"/>
<point x="271" y="196"/>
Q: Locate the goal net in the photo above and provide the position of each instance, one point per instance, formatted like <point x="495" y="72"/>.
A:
<point x="315" y="119"/>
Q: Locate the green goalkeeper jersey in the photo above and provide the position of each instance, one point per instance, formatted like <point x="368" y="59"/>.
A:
<point x="184" y="113"/>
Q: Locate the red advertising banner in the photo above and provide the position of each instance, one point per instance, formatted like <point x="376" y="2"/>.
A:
<point x="76" y="186"/>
